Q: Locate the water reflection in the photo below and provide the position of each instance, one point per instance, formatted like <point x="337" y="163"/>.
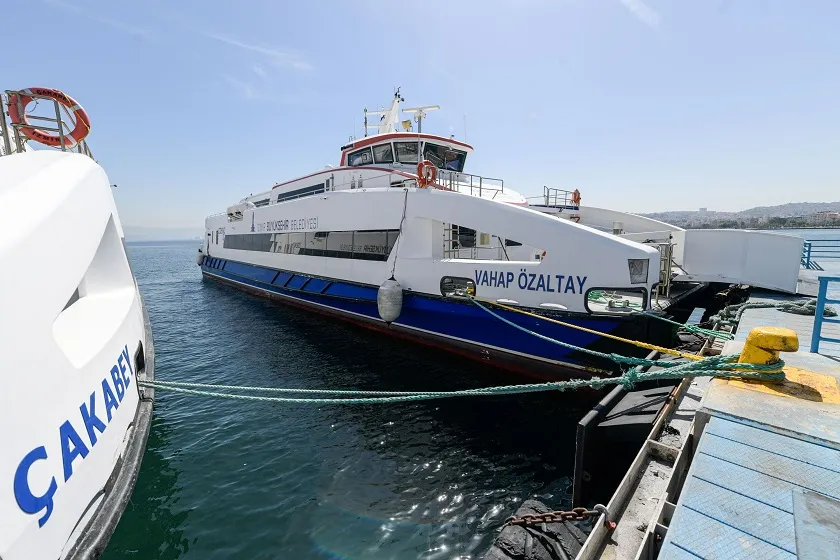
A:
<point x="225" y="479"/>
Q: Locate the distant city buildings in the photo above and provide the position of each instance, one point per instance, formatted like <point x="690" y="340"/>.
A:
<point x="795" y="215"/>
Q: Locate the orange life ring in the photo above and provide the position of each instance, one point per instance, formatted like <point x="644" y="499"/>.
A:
<point x="576" y="197"/>
<point x="426" y="173"/>
<point x="17" y="114"/>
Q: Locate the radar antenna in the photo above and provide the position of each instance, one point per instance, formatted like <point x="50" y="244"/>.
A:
<point x="420" y="114"/>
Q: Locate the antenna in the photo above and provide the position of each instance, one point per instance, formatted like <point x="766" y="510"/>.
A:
<point x="366" y="124"/>
<point x="420" y="114"/>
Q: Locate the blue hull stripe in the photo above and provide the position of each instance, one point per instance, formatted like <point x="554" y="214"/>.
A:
<point x="448" y="318"/>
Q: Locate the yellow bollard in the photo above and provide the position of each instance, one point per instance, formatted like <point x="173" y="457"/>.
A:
<point x="763" y="345"/>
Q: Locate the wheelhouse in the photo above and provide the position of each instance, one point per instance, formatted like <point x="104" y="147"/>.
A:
<point x="404" y="150"/>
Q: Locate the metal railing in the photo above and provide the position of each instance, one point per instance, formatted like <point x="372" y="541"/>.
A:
<point x="557" y="198"/>
<point x="475" y="185"/>
<point x="819" y="248"/>
<point x="458" y="244"/>
<point x="819" y="318"/>
<point x="55" y="124"/>
<point x="476" y="253"/>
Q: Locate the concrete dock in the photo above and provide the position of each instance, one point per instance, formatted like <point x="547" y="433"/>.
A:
<point x="740" y="469"/>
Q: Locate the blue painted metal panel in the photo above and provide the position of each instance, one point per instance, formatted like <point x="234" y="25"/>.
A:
<point x="772" y="442"/>
<point x="353" y="291"/>
<point x="709" y="539"/>
<point x="817" y="519"/>
<point x="316" y="285"/>
<point x="453" y="318"/>
<point x="737" y="501"/>
<point x="281" y="279"/>
<point x="816" y="335"/>
<point x="297" y="282"/>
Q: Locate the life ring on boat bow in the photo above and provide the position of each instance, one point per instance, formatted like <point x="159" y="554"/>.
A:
<point x="426" y="173"/>
<point x="576" y="197"/>
<point x="17" y="114"/>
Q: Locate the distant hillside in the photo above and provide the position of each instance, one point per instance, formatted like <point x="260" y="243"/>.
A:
<point x="137" y="233"/>
<point x="792" y="209"/>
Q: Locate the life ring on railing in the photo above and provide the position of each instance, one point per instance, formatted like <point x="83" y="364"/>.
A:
<point x="17" y="113"/>
<point x="426" y="173"/>
<point x="576" y="197"/>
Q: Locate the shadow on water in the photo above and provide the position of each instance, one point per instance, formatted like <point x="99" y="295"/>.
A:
<point x="153" y="507"/>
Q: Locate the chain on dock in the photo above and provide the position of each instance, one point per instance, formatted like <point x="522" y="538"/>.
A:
<point x="558" y="516"/>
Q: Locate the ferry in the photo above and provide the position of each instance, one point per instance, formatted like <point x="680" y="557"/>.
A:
<point x="400" y="237"/>
<point x="75" y="339"/>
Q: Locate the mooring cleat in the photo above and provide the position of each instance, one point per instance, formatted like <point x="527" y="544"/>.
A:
<point x="763" y="345"/>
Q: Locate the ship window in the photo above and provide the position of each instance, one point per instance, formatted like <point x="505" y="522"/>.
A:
<point x="361" y="157"/>
<point x="296" y="243"/>
<point x="383" y="154"/>
<point x="615" y="300"/>
<point x="462" y="237"/>
<point x="406" y="152"/>
<point x="316" y="243"/>
<point x="263" y="202"/>
<point x="298" y="193"/>
<point x="444" y="158"/>
<point x="278" y="242"/>
<point x="339" y="244"/>
<point x="453" y="286"/>
<point x="370" y="245"/>
<point x="512" y="243"/>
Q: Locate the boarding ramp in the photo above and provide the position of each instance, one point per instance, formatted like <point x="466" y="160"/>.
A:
<point x="756" y="258"/>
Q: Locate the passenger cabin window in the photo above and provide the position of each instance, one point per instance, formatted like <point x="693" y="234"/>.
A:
<point x="361" y="157"/>
<point x="444" y="158"/>
<point x="406" y="152"/>
<point x="298" y="193"/>
<point x="383" y="154"/>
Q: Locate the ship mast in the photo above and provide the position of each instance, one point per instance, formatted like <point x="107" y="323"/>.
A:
<point x="389" y="118"/>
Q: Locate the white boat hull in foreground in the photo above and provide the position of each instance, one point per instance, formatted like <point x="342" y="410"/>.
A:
<point x="74" y="343"/>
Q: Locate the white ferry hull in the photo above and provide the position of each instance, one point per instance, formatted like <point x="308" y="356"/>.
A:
<point x="284" y="249"/>
<point x="74" y="344"/>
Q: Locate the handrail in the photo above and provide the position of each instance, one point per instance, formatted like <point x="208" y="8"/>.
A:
<point x="462" y="182"/>
<point x="556" y="198"/>
<point x="819" y="319"/>
<point x="822" y="248"/>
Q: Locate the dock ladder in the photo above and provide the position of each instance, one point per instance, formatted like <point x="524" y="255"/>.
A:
<point x="816" y="335"/>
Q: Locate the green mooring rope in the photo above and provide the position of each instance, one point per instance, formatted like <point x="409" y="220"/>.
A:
<point x="731" y="314"/>
<point x="692" y="328"/>
<point x="713" y="366"/>
<point x="599" y="296"/>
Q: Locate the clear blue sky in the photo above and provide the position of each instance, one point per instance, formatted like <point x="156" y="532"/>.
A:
<point x="644" y="105"/>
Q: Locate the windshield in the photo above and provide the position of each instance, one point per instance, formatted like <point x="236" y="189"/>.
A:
<point x="444" y="158"/>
